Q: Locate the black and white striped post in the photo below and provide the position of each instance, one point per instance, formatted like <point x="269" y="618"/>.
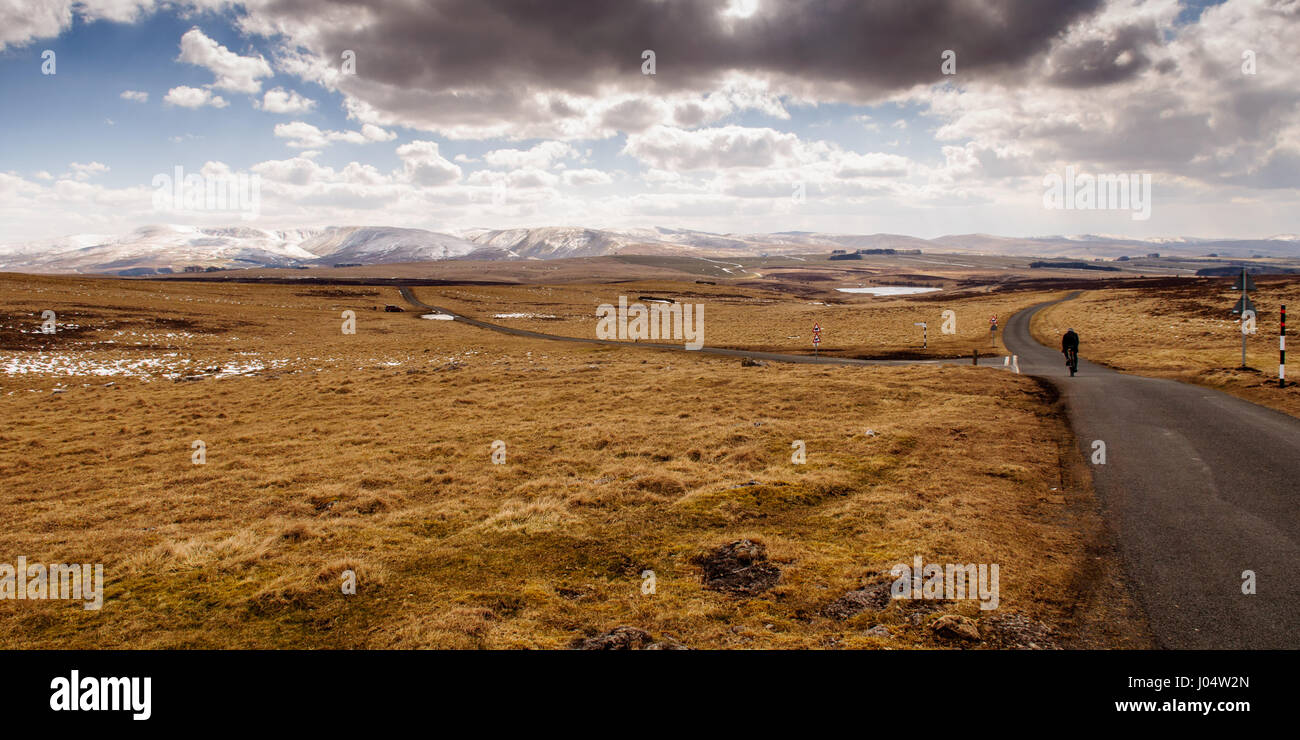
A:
<point x="1281" y="352"/>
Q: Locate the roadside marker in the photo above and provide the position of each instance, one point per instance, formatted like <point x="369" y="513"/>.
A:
<point x="817" y="337"/>
<point x="925" y="333"/>
<point x="1281" y="349"/>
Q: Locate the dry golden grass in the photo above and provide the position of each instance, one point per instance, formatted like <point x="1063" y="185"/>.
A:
<point x="1185" y="332"/>
<point x="371" y="453"/>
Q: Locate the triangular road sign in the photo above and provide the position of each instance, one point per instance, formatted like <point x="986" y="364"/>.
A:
<point x="1250" y="305"/>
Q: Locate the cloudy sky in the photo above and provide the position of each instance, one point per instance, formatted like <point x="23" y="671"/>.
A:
<point x="454" y="114"/>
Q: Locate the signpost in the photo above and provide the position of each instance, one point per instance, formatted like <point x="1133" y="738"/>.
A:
<point x="1244" y="308"/>
<point x="993" y="330"/>
<point x="1281" y="348"/>
<point x="925" y="333"/>
<point x="817" y="337"/>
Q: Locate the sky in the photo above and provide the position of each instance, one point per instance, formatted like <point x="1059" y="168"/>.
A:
<point x="919" y="117"/>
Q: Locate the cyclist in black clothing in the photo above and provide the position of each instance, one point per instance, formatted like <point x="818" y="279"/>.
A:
<point x="1070" y="348"/>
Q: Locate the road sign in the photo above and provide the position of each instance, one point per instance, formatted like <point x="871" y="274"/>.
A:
<point x="1245" y="285"/>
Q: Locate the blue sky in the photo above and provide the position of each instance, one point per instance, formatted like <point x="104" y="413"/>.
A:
<point x="461" y="117"/>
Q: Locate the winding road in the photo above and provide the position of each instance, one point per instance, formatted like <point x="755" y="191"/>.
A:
<point x="1199" y="487"/>
<point x="772" y="356"/>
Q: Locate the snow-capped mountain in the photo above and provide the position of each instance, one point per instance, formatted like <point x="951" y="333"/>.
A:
<point x="549" y="242"/>
<point x="370" y="244"/>
<point x="169" y="248"/>
<point x="162" y="249"/>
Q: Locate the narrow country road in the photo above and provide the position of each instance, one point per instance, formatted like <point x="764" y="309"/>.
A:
<point x="1199" y="486"/>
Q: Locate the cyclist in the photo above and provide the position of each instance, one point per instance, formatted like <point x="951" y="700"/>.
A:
<point x="1070" y="348"/>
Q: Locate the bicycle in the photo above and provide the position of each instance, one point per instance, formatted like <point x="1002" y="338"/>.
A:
<point x="1072" y="360"/>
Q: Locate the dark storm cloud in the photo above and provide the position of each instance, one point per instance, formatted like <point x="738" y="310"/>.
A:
<point x="854" y="46"/>
<point x="1095" y="61"/>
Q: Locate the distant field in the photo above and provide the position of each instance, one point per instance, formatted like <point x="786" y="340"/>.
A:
<point x="1185" y="332"/>
<point x="774" y="272"/>
<point x="370" y="452"/>
<point x="759" y="319"/>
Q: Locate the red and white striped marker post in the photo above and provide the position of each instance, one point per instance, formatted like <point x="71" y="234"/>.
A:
<point x="1281" y="350"/>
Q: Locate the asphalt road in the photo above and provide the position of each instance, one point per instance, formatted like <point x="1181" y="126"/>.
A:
<point x="1199" y="486"/>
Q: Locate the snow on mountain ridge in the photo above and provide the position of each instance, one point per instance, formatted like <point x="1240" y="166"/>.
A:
<point x="174" y="248"/>
<point x="166" y="247"/>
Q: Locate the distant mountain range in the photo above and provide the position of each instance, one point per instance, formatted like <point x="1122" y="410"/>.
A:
<point x="168" y="249"/>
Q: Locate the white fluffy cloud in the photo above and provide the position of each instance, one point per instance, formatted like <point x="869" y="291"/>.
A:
<point x="375" y="133"/>
<point x="135" y="95"/>
<point x="671" y="148"/>
<point x="279" y="100"/>
<point x="586" y="177"/>
<point x="302" y="135"/>
<point x="193" y="97"/>
<point x="23" y="21"/>
<point x="541" y="156"/>
<point x="424" y="165"/>
<point x="232" y="72"/>
<point x="83" y="172"/>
